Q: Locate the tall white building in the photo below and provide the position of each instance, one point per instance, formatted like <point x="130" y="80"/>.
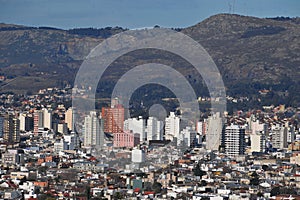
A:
<point x="69" y="118"/>
<point x="214" y="132"/>
<point x="256" y="127"/>
<point x="72" y="141"/>
<point x="62" y="128"/>
<point x="93" y="131"/>
<point x="258" y="135"/>
<point x="136" y="125"/>
<point x="22" y="119"/>
<point x="188" y="136"/>
<point x="38" y="121"/>
<point x="291" y="133"/>
<point x="138" y="156"/>
<point x="279" y="137"/>
<point x="47" y="118"/>
<point x="42" y="119"/>
<point x="233" y="140"/>
<point x="258" y="142"/>
<point x="201" y="127"/>
<point x="172" y="126"/>
<point x="154" y="129"/>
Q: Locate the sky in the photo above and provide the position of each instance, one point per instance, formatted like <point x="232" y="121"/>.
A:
<point x="135" y="13"/>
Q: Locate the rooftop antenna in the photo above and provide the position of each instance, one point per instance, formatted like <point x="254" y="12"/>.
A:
<point x="229" y="6"/>
<point x="233" y="6"/>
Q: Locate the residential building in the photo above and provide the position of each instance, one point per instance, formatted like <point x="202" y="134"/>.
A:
<point x="154" y="129"/>
<point x="188" y="136"/>
<point x="72" y="141"/>
<point x="138" y="156"/>
<point x="113" y="118"/>
<point x="258" y="142"/>
<point x="13" y="156"/>
<point x="26" y="122"/>
<point x="279" y="137"/>
<point x="126" y="139"/>
<point x="47" y="118"/>
<point x="60" y="145"/>
<point x="214" y="132"/>
<point x="201" y="127"/>
<point x="42" y="119"/>
<point x="93" y="131"/>
<point x="62" y="128"/>
<point x="11" y="129"/>
<point x="172" y="126"/>
<point x="37" y="121"/>
<point x="70" y="116"/>
<point x="136" y="125"/>
<point x="233" y="140"/>
<point x="1" y="126"/>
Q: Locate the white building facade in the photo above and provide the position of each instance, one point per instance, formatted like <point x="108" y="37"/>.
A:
<point x="154" y="129"/>
<point x="233" y="140"/>
<point x="214" y="132"/>
<point x="136" y="125"/>
<point x="93" y="131"/>
<point x="172" y="126"/>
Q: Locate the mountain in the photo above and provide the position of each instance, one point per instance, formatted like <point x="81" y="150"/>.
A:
<point x="251" y="48"/>
<point x="254" y="54"/>
<point x="33" y="58"/>
<point x="251" y="53"/>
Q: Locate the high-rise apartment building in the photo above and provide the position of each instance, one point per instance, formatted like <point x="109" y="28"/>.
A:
<point x="188" y="137"/>
<point x="42" y="119"/>
<point x="1" y="126"/>
<point x="233" y="140"/>
<point x="113" y="119"/>
<point x="154" y="129"/>
<point x="126" y="139"/>
<point x="136" y="125"/>
<point x="26" y="122"/>
<point x="172" y="126"/>
<point x="279" y="137"/>
<point x="11" y="129"/>
<point x="70" y="118"/>
<point x="258" y="132"/>
<point x="214" y="132"/>
<point x="258" y="142"/>
<point x="47" y="121"/>
<point x="93" y="131"/>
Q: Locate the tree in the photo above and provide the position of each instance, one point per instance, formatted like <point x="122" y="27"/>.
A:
<point x="275" y="191"/>
<point x="260" y="194"/>
<point x="43" y="169"/>
<point x="156" y="187"/>
<point x="88" y="192"/>
<point x="265" y="167"/>
<point x="117" y="195"/>
<point x="198" y="171"/>
<point x="255" y="179"/>
<point x="203" y="183"/>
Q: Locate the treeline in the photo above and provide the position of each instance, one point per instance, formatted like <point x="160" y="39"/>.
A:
<point x="94" y="32"/>
<point x="18" y="28"/>
<point x="291" y="19"/>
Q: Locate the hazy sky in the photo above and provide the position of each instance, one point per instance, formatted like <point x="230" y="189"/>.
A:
<point x="135" y="13"/>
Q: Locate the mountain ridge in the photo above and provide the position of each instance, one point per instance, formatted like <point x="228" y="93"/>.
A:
<point x="254" y="53"/>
